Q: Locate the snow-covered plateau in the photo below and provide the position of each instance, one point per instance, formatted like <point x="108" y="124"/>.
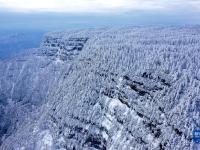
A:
<point x="135" y="88"/>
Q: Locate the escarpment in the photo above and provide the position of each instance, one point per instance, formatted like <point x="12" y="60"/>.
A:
<point x="103" y="89"/>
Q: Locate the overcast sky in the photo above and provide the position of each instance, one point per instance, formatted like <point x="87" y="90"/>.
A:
<point x="65" y="14"/>
<point x="100" y="6"/>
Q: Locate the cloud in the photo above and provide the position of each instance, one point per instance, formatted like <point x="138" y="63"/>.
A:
<point x="97" y="5"/>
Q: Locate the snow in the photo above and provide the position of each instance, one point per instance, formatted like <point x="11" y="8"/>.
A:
<point x="115" y="103"/>
<point x="156" y="143"/>
<point x="21" y="148"/>
<point x="116" y="138"/>
<point x="162" y="115"/>
<point x="46" y="141"/>
<point x="105" y="135"/>
<point x="150" y="137"/>
<point x="107" y="123"/>
<point x="86" y="96"/>
<point x="120" y="82"/>
<point x="152" y="140"/>
<point x="58" y="60"/>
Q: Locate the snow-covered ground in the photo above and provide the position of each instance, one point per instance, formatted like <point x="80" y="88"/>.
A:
<point x="130" y="88"/>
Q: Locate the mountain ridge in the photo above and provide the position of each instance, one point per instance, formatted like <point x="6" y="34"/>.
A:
<point x="113" y="88"/>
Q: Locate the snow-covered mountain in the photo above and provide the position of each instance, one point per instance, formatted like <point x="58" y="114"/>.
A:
<point x="130" y="88"/>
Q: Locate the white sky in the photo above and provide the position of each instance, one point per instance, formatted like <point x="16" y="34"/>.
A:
<point x="78" y="6"/>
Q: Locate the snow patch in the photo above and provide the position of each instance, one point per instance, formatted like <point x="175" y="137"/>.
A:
<point x="120" y="82"/>
<point x="162" y="115"/>
<point x="114" y="103"/>
<point x="21" y="148"/>
<point x="116" y="138"/>
<point x="107" y="124"/>
<point x="45" y="141"/>
<point x="57" y="61"/>
<point x="136" y="117"/>
<point x="105" y="135"/>
<point x="153" y="141"/>
<point x="149" y="137"/>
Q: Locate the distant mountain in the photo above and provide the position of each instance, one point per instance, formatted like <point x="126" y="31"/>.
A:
<point x="111" y="88"/>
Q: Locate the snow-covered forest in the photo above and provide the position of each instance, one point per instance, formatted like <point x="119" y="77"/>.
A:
<point x="128" y="88"/>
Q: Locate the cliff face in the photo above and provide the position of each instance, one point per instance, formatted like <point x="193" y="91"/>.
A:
<point x="123" y="88"/>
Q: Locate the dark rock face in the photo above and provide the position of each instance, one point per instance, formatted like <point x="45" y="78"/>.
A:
<point x="63" y="49"/>
<point x="133" y="88"/>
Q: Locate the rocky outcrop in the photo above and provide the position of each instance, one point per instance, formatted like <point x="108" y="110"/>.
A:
<point x="63" y="49"/>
